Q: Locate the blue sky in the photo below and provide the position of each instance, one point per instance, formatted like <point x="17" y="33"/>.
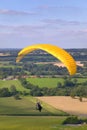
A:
<point x="58" y="22"/>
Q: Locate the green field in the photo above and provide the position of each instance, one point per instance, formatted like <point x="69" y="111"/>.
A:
<point x="45" y="82"/>
<point x="50" y="82"/>
<point x="26" y="106"/>
<point x="41" y="82"/>
<point x="35" y="123"/>
<point x="22" y="114"/>
<point x="9" y="83"/>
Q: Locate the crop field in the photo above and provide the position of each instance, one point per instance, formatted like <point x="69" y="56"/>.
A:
<point x="67" y="104"/>
<point x="22" y="115"/>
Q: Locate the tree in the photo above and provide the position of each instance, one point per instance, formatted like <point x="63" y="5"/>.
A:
<point x="13" y="90"/>
<point x="68" y="83"/>
<point x="17" y="97"/>
<point x="81" y="91"/>
<point x="36" y="92"/>
<point x="80" y="99"/>
<point x="4" y="92"/>
<point x="59" y="85"/>
<point x="75" y="81"/>
<point x="72" y="94"/>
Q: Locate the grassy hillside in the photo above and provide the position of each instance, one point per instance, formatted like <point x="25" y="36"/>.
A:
<point x="25" y="106"/>
<point x="8" y="83"/>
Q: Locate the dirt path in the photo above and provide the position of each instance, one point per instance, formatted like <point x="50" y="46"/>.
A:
<point x="67" y="104"/>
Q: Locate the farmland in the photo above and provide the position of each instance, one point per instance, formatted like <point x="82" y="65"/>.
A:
<point x="45" y="82"/>
<point x="36" y="123"/>
<point x="26" y="106"/>
<point x="50" y="82"/>
<point x="21" y="114"/>
<point x="40" y="69"/>
<point x="40" y="63"/>
<point x="9" y="83"/>
<point x="67" y="104"/>
<point x="41" y="82"/>
<point x="36" y="86"/>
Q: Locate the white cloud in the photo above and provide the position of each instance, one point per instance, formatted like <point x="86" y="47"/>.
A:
<point x="20" y="36"/>
<point x="63" y="22"/>
<point x="15" y="12"/>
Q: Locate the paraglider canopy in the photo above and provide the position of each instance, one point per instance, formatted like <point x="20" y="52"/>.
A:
<point x="56" y="51"/>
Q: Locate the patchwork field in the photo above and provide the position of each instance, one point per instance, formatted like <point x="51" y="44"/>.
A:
<point x="41" y="82"/>
<point x="67" y="104"/>
<point x="22" y="114"/>
<point x="50" y="82"/>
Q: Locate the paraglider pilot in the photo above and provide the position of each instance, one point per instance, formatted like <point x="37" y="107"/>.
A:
<point x="38" y="106"/>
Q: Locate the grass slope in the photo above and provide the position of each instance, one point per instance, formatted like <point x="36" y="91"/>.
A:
<point x="25" y="106"/>
<point x="35" y="123"/>
<point x="9" y="83"/>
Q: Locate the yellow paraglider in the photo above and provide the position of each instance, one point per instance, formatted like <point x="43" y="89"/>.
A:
<point x="57" y="52"/>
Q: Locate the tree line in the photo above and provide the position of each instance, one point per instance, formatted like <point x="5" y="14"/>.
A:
<point x="70" y="87"/>
<point x="29" y="69"/>
<point x="12" y="91"/>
